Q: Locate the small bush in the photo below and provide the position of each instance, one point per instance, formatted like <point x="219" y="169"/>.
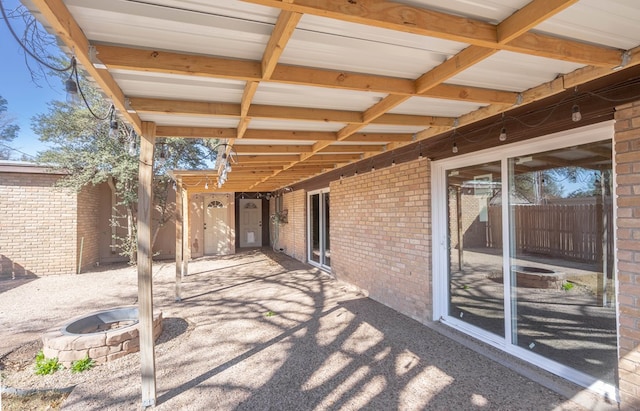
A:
<point x="567" y="286"/>
<point x="270" y="314"/>
<point x="82" y="365"/>
<point x="46" y="366"/>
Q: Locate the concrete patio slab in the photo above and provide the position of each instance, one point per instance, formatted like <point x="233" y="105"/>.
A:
<point x="260" y="331"/>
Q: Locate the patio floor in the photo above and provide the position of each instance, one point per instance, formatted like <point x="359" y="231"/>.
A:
<point x="261" y="331"/>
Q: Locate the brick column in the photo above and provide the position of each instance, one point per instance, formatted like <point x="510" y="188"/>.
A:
<point x="627" y="167"/>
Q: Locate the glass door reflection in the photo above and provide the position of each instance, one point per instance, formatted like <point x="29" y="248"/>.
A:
<point x="476" y="291"/>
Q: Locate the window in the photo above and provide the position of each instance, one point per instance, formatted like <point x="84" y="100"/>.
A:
<point x="525" y="261"/>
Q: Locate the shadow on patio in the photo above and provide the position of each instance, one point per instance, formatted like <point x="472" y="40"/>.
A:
<point x="262" y="331"/>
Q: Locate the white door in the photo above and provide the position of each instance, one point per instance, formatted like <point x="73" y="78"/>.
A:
<point x="216" y="227"/>
<point x="250" y="223"/>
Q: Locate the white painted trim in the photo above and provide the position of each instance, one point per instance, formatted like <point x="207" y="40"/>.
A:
<point x="321" y="233"/>
<point x="439" y="250"/>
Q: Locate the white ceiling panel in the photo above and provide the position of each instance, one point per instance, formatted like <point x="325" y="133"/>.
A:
<point x="422" y="106"/>
<point x="169" y="28"/>
<point x="339" y="45"/>
<point x="384" y="128"/>
<point x="190" y="121"/>
<point x="280" y="94"/>
<point x="612" y="23"/>
<point x="512" y="72"/>
<point x="293" y="125"/>
<point x="231" y="8"/>
<point x="159" y="85"/>
<point x="245" y="141"/>
<point x="359" y="143"/>
<point x="491" y="11"/>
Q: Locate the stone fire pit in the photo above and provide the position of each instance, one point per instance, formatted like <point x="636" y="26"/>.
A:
<point x="535" y="277"/>
<point x="102" y="336"/>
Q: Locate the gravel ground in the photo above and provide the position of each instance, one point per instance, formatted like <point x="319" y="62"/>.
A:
<point x="260" y="331"/>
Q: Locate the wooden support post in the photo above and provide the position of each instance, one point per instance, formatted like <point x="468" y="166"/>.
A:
<point x="179" y="240"/>
<point x="145" y="279"/>
<point x="186" y="244"/>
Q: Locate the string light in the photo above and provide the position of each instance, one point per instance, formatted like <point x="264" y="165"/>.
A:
<point x="132" y="147"/>
<point x="113" y="124"/>
<point x="503" y="131"/>
<point x="576" y="115"/>
<point x="503" y="134"/>
<point x="162" y="155"/>
<point x="223" y="162"/>
<point x="71" y="87"/>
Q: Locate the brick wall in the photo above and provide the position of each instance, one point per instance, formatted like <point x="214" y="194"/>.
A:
<point x="37" y="225"/>
<point x="473" y="229"/>
<point x="381" y="235"/>
<point x="293" y="235"/>
<point x="88" y="210"/>
<point x="627" y="168"/>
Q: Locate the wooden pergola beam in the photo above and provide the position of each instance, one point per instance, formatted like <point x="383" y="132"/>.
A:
<point x="514" y="36"/>
<point x="179" y="63"/>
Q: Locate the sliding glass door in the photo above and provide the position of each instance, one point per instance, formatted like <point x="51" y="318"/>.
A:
<point x="319" y="241"/>
<point x="562" y="262"/>
<point x="525" y="261"/>
<point x="476" y="292"/>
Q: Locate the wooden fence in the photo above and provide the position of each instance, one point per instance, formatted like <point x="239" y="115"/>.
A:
<point x="568" y="231"/>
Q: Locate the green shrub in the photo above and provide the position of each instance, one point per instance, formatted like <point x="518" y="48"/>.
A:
<point x="82" y="365"/>
<point x="567" y="286"/>
<point x="45" y="366"/>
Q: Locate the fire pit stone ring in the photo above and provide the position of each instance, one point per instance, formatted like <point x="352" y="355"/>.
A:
<point x="102" y="336"/>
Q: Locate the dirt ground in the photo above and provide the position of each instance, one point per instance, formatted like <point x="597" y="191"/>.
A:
<point x="260" y="331"/>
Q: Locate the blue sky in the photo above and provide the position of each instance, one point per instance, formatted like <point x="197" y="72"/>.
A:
<point x="25" y="98"/>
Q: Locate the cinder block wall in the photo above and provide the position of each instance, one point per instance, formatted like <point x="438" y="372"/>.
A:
<point x="627" y="168"/>
<point x="88" y="209"/>
<point x="293" y="235"/>
<point x="380" y="231"/>
<point x="37" y="225"/>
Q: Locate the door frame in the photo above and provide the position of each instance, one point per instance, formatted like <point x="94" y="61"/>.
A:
<point x="440" y="241"/>
<point x="322" y="233"/>
<point x="224" y="200"/>
<point x="258" y="234"/>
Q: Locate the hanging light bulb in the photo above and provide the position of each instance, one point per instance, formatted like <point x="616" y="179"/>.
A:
<point x="576" y="115"/>
<point x="503" y="134"/>
<point x="132" y="147"/>
<point x="162" y="156"/>
<point x="113" y="124"/>
<point x="71" y="87"/>
<point x="454" y="148"/>
<point x="113" y="129"/>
